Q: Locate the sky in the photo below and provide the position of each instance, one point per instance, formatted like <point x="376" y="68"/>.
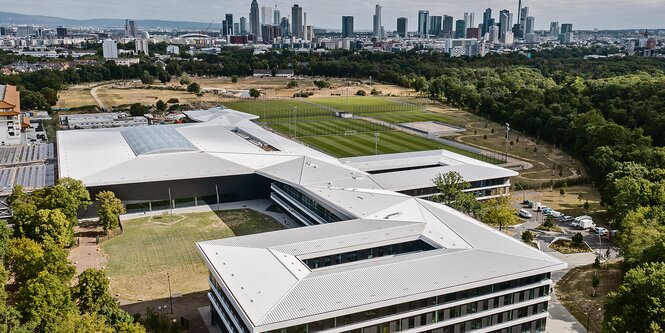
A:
<point x="583" y="14"/>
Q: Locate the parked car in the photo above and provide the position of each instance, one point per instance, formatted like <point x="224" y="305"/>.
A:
<point x="583" y="217"/>
<point x="601" y="231"/>
<point x="524" y="213"/>
<point x="566" y="218"/>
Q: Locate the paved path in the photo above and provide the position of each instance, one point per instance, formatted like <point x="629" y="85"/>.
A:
<point x="99" y="102"/>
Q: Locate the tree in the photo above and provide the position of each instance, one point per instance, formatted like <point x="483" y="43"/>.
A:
<point x="146" y="78"/>
<point x="595" y="282"/>
<point x="254" y="93"/>
<point x="109" y="209"/>
<point x="185" y="80"/>
<point x="43" y="301"/>
<point x="578" y="239"/>
<point x="69" y="195"/>
<point x="31" y="100"/>
<point x="549" y="222"/>
<point x="562" y="193"/>
<point x="137" y="110"/>
<point x="194" y="88"/>
<point x="420" y="84"/>
<point x="449" y="185"/>
<point x="292" y="84"/>
<point x="52" y="227"/>
<point x="637" y="306"/>
<point x="234" y="79"/>
<point x="91" y="292"/>
<point x="498" y="212"/>
<point x="25" y="259"/>
<point x="527" y="237"/>
<point x="50" y="94"/>
<point x="161" y="106"/>
<point x="321" y="84"/>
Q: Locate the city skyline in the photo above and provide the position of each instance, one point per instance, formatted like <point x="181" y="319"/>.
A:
<point x="590" y="14"/>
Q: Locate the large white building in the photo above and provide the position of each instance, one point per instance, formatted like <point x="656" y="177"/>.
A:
<point x="110" y="49"/>
<point x="11" y="120"/>
<point x="372" y="259"/>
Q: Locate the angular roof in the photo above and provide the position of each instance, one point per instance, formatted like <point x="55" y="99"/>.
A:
<point x="267" y="277"/>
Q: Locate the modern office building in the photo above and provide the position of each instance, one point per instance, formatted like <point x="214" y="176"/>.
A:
<point x="505" y="22"/>
<point x="423" y="23"/>
<point x="473" y="33"/>
<point x="530" y="25"/>
<point x="436" y="26"/>
<point x="402" y="27"/>
<point x="371" y="259"/>
<point x="494" y="34"/>
<point x="460" y="29"/>
<point x="469" y="20"/>
<point x="566" y="27"/>
<point x="254" y="19"/>
<point x="130" y="29"/>
<point x="243" y="26"/>
<point x="284" y="26"/>
<point x="524" y="13"/>
<point x="554" y="29"/>
<point x="227" y="26"/>
<point x="347" y="26"/>
<point x="266" y="15"/>
<point x="297" y="28"/>
<point x="11" y="119"/>
<point x="61" y="32"/>
<point x="110" y="49"/>
<point x="487" y="21"/>
<point x="376" y="20"/>
<point x="146" y="165"/>
<point x="447" y="26"/>
<point x="276" y="16"/>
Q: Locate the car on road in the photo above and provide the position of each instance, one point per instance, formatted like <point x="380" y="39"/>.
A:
<point x="524" y="213"/>
<point x="601" y="231"/>
<point x="565" y="218"/>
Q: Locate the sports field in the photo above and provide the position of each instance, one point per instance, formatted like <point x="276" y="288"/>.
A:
<point x="326" y="127"/>
<point x="364" y="105"/>
<point x="151" y="247"/>
<point x="414" y="116"/>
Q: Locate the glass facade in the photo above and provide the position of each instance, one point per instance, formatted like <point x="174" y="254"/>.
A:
<point x="313" y="206"/>
<point x="435" y="316"/>
<point x="474" y="185"/>
<point x="387" y="250"/>
<point x="223" y="303"/>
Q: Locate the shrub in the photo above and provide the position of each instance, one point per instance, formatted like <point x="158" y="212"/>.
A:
<point x="361" y="93"/>
<point x="527" y="236"/>
<point x="173" y="101"/>
<point x="292" y="84"/>
<point x="578" y="239"/>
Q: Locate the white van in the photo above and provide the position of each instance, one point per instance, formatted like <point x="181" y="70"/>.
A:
<point x="586" y="224"/>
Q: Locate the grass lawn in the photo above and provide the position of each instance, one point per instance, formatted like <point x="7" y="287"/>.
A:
<point x="574" y="290"/>
<point x="414" y="116"/>
<point x="326" y="127"/>
<point x="151" y="247"/>
<point x="567" y="247"/>
<point x="364" y="105"/>
<point x="389" y="142"/>
<point x="281" y="110"/>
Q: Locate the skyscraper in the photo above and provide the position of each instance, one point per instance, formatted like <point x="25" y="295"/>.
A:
<point x="566" y="27"/>
<point x="402" y="26"/>
<point x="284" y="26"/>
<point x="524" y="13"/>
<point x="376" y="31"/>
<point x="130" y="28"/>
<point x="487" y="21"/>
<point x="554" y="29"/>
<point x="347" y="26"/>
<point x="505" y="22"/>
<point x="243" y="26"/>
<point x="254" y="20"/>
<point x="423" y="23"/>
<point x="447" y="26"/>
<point x="531" y="25"/>
<point x="460" y="29"/>
<point x="266" y="15"/>
<point x="469" y="20"/>
<point x="227" y="26"/>
<point x="435" y="25"/>
<point x="296" y="22"/>
<point x="61" y="31"/>
<point x="276" y="15"/>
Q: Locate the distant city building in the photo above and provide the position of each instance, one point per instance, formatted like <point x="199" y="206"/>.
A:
<point x="266" y="15"/>
<point x="469" y="20"/>
<point x="423" y="23"/>
<point x="61" y="32"/>
<point x="493" y="34"/>
<point x="3" y="31"/>
<point x="435" y="25"/>
<point x="11" y="120"/>
<point x="530" y="25"/>
<point x="254" y="19"/>
<point x="172" y="49"/>
<point x="276" y="16"/>
<point x="110" y="49"/>
<point x="566" y="27"/>
<point x="141" y="46"/>
<point x="487" y="21"/>
<point x="505" y="22"/>
<point x="296" y="22"/>
<point x="130" y="28"/>
<point x="402" y="26"/>
<point x="460" y="29"/>
<point x="376" y="31"/>
<point x="309" y="33"/>
<point x="524" y="13"/>
<point x="285" y="27"/>
<point x="447" y="26"/>
<point x="554" y="29"/>
<point x="508" y="38"/>
<point x="473" y="33"/>
<point x="347" y="26"/>
<point x="269" y="32"/>
<point x="227" y="26"/>
<point x="243" y="26"/>
<point x="24" y="31"/>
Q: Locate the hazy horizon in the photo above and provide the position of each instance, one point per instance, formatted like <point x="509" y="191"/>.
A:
<point x="584" y="15"/>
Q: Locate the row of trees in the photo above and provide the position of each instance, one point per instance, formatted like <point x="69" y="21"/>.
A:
<point x="40" y="296"/>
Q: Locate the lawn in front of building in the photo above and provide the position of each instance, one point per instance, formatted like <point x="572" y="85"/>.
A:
<point x="152" y="247"/>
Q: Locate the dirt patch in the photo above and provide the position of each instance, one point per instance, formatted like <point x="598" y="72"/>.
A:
<point x="575" y="292"/>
